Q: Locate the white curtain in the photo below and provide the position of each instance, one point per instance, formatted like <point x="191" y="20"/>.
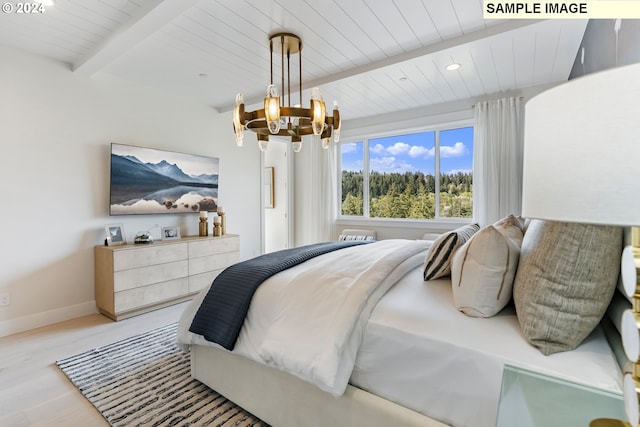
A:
<point x="497" y="159"/>
<point x="320" y="207"/>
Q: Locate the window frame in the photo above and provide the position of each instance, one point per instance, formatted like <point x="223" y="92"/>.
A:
<point x="444" y="223"/>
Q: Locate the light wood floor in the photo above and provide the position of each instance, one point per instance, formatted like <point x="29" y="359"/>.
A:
<point x="34" y="392"/>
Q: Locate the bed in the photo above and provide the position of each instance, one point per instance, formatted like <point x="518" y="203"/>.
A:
<point x="416" y="360"/>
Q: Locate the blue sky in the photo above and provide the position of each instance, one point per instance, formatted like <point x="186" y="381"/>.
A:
<point x="414" y="152"/>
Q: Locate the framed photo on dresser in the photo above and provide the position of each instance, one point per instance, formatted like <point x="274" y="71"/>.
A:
<point x="115" y="234"/>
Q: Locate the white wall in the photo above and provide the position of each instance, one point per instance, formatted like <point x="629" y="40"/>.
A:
<point x="55" y="132"/>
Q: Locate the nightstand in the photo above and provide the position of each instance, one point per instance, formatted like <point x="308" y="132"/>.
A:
<point x="531" y="399"/>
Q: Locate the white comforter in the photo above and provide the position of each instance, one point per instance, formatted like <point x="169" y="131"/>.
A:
<point x="309" y="320"/>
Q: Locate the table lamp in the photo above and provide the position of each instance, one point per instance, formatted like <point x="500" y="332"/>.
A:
<point x="582" y="164"/>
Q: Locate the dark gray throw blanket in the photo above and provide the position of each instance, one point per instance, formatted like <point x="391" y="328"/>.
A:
<point x="223" y="310"/>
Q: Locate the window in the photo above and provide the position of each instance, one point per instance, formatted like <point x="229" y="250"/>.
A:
<point x="423" y="175"/>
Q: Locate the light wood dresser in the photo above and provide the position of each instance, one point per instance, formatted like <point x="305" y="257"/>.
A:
<point x="133" y="279"/>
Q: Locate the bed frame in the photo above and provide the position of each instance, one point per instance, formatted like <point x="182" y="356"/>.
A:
<point x="283" y="400"/>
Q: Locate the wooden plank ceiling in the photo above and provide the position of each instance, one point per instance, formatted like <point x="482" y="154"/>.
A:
<point x="374" y="56"/>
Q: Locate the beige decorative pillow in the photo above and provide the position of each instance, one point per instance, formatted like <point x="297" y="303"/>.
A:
<point x="566" y="277"/>
<point x="511" y="227"/>
<point x="438" y="260"/>
<point x="483" y="269"/>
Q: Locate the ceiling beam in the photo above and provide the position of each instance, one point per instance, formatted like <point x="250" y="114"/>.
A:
<point x="493" y="30"/>
<point x="149" y="18"/>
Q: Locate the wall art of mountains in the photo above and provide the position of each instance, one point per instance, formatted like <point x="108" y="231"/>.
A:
<point x="143" y="187"/>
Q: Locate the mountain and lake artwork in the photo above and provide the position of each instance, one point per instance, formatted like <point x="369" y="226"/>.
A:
<point x="151" y="181"/>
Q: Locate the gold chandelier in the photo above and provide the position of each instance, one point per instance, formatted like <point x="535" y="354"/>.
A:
<point x="280" y="118"/>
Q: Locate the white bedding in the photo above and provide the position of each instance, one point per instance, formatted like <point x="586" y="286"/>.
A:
<point x="314" y="331"/>
<point x="418" y="350"/>
<point x="422" y="353"/>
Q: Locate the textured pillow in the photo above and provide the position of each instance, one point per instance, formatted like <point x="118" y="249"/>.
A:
<point x="483" y="269"/>
<point x="566" y="277"/>
<point x="438" y="260"/>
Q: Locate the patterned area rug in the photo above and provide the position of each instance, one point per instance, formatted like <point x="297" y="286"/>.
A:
<point x="145" y="381"/>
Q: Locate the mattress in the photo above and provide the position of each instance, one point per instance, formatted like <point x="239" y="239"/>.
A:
<point x="420" y="352"/>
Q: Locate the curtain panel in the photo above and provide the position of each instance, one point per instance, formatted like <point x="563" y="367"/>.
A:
<point x="320" y="207"/>
<point x="497" y="162"/>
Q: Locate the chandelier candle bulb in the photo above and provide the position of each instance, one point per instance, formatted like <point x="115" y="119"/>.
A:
<point x="319" y="111"/>
<point x="272" y="109"/>
<point x="336" y="122"/>
<point x="238" y="113"/>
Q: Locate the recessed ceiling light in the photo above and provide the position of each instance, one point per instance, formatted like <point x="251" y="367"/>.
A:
<point x="453" y="67"/>
<point x="203" y="75"/>
<point x="403" y="78"/>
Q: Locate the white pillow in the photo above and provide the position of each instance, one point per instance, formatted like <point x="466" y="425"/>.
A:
<point x="484" y="268"/>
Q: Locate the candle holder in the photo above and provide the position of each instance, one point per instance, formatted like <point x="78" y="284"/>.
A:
<point x="223" y="223"/>
<point x="217" y="226"/>
<point x="204" y="224"/>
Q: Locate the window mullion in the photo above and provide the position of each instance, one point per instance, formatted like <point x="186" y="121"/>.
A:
<point x="437" y="172"/>
<point x="365" y="180"/>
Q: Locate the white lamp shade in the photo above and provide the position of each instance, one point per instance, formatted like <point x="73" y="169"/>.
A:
<point x="582" y="150"/>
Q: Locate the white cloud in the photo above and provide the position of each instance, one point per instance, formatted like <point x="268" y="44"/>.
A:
<point x="457" y="150"/>
<point x="377" y="149"/>
<point x="399" y="148"/>
<point x="390" y="164"/>
<point x="420" y="151"/>
<point x="349" y="148"/>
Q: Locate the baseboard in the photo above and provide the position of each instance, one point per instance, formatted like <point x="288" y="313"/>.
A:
<point x="38" y="320"/>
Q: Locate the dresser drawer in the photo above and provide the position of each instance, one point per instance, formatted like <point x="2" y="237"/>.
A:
<point x="149" y="295"/>
<point x="212" y="262"/>
<point x="149" y="255"/>
<point x="213" y="246"/>
<point x="144" y="276"/>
